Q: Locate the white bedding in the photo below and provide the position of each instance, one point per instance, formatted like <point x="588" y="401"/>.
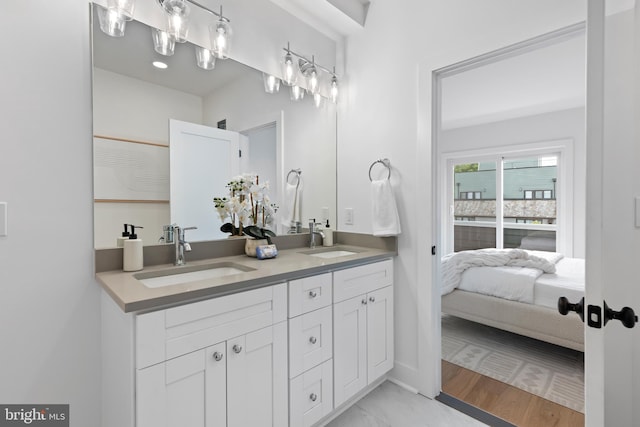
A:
<point x="568" y="281"/>
<point x="518" y="283"/>
<point x="455" y="265"/>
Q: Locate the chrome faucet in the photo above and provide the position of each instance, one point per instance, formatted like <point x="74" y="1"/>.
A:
<point x="313" y="230"/>
<point x="181" y="245"/>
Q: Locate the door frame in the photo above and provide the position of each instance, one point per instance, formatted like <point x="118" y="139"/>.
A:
<point x="428" y="119"/>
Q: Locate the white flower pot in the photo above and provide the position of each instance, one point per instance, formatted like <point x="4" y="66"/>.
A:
<point x="251" y="244"/>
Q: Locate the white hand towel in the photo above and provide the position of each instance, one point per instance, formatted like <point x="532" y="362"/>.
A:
<point x="386" y="221"/>
<point x="291" y="211"/>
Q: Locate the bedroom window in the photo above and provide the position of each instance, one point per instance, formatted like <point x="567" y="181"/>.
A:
<point x="509" y="202"/>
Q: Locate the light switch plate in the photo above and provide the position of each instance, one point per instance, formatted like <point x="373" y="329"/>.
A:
<point x="3" y="218"/>
<point x="348" y="216"/>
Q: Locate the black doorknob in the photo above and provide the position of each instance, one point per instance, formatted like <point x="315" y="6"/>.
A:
<point x="564" y="307"/>
<point x="626" y="316"/>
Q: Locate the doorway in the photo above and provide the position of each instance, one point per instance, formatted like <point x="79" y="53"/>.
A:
<point x="509" y="140"/>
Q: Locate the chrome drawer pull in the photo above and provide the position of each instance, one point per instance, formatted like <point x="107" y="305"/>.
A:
<point x="313" y="397"/>
<point x="237" y="348"/>
<point x="372" y="299"/>
<point x="313" y="340"/>
<point x="217" y="356"/>
<point x="313" y="294"/>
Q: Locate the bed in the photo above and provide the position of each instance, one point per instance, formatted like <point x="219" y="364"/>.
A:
<point x="520" y="298"/>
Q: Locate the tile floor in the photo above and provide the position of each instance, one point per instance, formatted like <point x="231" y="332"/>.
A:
<point x="390" y="405"/>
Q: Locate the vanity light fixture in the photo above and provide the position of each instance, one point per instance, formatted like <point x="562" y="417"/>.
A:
<point x="297" y="93"/>
<point x="205" y="58"/>
<point x="177" y="19"/>
<point x="289" y="69"/>
<point x="163" y="43"/>
<point x="310" y="70"/>
<point x="333" y="89"/>
<point x="271" y="83"/>
<point x="112" y="22"/>
<point x="123" y="7"/>
<point x="220" y="33"/>
<point x="318" y="100"/>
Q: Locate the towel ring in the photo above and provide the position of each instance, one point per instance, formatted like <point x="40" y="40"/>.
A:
<point x="384" y="162"/>
<point x="297" y="173"/>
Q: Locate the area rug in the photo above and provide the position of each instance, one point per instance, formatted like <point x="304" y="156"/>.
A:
<point x="546" y="370"/>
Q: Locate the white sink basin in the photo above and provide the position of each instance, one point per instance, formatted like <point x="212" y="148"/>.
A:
<point x="178" y="275"/>
<point x="329" y="253"/>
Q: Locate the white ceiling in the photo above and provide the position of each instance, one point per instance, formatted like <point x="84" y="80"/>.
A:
<point x="550" y="78"/>
<point x="133" y="54"/>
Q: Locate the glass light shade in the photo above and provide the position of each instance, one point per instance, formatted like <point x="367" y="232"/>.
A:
<point x="313" y="84"/>
<point x="220" y="34"/>
<point x="289" y="70"/>
<point x="163" y="43"/>
<point x="271" y="83"/>
<point x="297" y="93"/>
<point x="177" y="19"/>
<point x="318" y="100"/>
<point x="112" y="22"/>
<point x="125" y="7"/>
<point x="333" y="90"/>
<point x="205" y="58"/>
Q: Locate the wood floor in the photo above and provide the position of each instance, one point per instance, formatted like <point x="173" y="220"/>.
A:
<point x="504" y="401"/>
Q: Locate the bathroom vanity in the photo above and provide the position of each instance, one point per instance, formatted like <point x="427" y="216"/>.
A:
<point x="290" y="341"/>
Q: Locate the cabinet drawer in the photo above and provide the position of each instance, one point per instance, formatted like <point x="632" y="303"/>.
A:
<point x="311" y="395"/>
<point x="165" y="334"/>
<point x="310" y="340"/>
<point x="359" y="280"/>
<point x="309" y="293"/>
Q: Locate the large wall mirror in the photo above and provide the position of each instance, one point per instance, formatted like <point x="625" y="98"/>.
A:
<point x="136" y="104"/>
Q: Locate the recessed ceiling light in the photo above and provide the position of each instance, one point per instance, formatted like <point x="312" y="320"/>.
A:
<point x="159" y="64"/>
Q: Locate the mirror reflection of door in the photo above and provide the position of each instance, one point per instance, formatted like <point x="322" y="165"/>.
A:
<point x="203" y="159"/>
<point x="511" y="161"/>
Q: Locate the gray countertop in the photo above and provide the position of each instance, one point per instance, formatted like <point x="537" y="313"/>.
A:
<point x="132" y="296"/>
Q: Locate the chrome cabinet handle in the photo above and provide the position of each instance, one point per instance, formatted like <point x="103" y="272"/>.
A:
<point x="313" y="294"/>
<point x="237" y="348"/>
<point x="313" y="397"/>
<point x="313" y="340"/>
<point x="364" y="301"/>
<point x="372" y="299"/>
<point x="217" y="356"/>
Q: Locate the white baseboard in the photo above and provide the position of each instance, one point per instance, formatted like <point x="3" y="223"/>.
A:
<point x="405" y="376"/>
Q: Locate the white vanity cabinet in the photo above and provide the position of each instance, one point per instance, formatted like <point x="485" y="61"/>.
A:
<point x="310" y="349"/>
<point x="363" y="327"/>
<point x="214" y="363"/>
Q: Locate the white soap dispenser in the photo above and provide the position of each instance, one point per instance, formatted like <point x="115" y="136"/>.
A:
<point x="327" y="240"/>
<point x="125" y="236"/>
<point x="132" y="257"/>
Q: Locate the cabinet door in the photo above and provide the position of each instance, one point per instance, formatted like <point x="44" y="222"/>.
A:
<point x="349" y="349"/>
<point x="379" y="333"/>
<point x="178" y="392"/>
<point x="257" y="378"/>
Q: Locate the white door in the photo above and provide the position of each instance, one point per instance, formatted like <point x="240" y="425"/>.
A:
<point x="612" y="353"/>
<point x="184" y="391"/>
<point x="379" y="333"/>
<point x="349" y="348"/>
<point x="257" y="378"/>
<point x="202" y="161"/>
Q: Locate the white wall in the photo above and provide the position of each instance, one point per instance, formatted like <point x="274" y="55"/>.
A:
<point x="124" y="107"/>
<point x="49" y="308"/>
<point x="385" y="112"/>
<point x="566" y="124"/>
